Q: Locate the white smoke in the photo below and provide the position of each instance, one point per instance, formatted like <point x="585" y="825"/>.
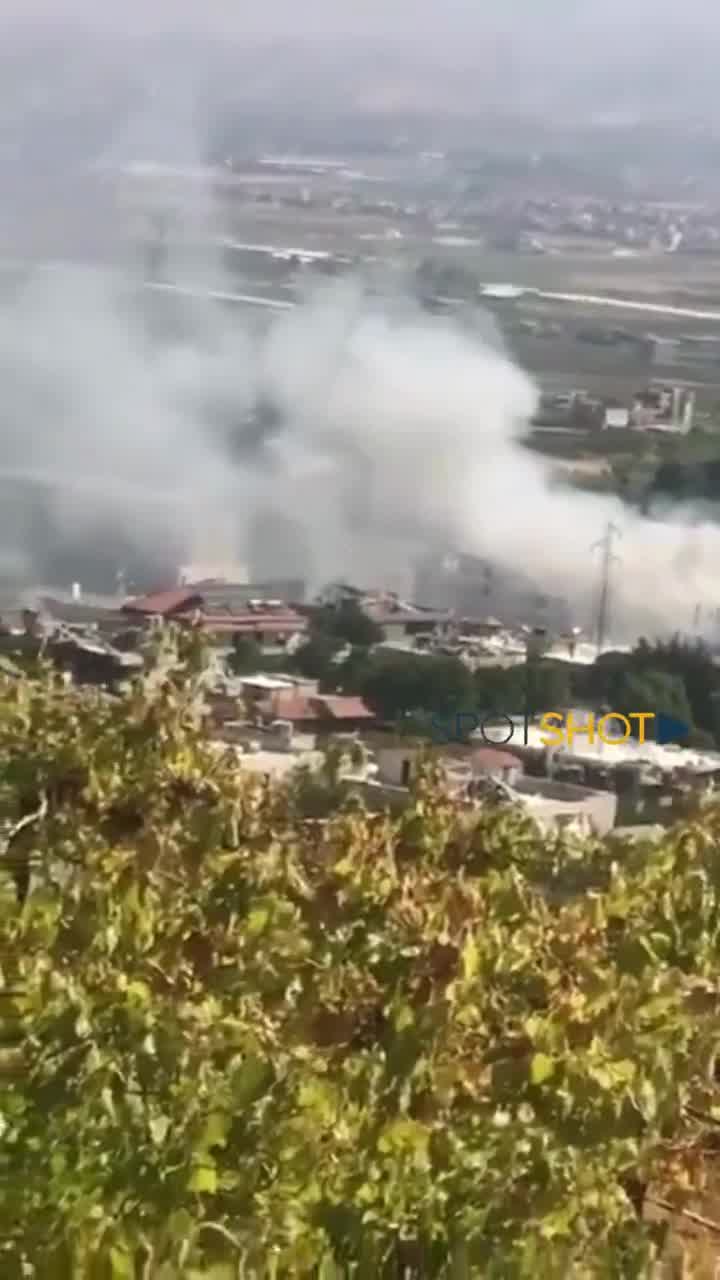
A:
<point x="419" y="424"/>
<point x="395" y="432"/>
<point x="394" y="422"/>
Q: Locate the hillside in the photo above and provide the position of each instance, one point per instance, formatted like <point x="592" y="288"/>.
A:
<point x="238" y="1043"/>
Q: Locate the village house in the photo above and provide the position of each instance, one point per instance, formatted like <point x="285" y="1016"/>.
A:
<point x="321" y="714"/>
<point x="471" y="772"/>
<point x="271" y="624"/>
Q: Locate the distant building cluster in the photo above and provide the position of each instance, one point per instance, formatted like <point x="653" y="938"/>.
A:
<point x="655" y="408"/>
<point x="276" y="721"/>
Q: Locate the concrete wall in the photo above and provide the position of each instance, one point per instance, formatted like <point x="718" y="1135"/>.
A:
<point x="511" y="775"/>
<point x="380" y="798"/>
<point x="391" y="762"/>
<point x="547" y="801"/>
<point x="552" y="802"/>
<point x="660" y="803"/>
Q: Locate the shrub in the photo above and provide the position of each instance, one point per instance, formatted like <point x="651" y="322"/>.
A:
<point x="237" y="1043"/>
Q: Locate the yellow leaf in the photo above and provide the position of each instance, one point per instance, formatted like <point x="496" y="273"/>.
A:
<point x="470" y="958"/>
<point x="541" y="1068"/>
<point x="203" y="1179"/>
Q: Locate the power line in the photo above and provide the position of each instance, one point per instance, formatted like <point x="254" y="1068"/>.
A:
<point x="609" y="558"/>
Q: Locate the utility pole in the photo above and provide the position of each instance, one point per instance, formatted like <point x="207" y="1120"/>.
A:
<point x="609" y="558"/>
<point x="535" y="645"/>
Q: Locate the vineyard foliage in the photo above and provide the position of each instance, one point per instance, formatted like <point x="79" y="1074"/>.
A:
<point x="235" y="1042"/>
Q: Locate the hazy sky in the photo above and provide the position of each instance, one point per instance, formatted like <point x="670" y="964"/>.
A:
<point x="441" y="24"/>
<point x="656" y="57"/>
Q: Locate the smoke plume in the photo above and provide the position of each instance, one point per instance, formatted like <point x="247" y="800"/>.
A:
<point x="142" y="430"/>
<point x="338" y="439"/>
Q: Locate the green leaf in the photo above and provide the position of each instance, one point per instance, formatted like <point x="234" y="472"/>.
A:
<point x="139" y="992"/>
<point x="203" y="1179"/>
<point x="250" y="1081"/>
<point x="180" y="1225"/>
<point x="257" y="920"/>
<point x="541" y="1068"/>
<point x="470" y="958"/>
<point x="329" y="1270"/>
<point x="557" y="1224"/>
<point x="236" y="950"/>
<point x="404" y="1135"/>
<point x="404" y="1018"/>
<point x="121" y="1265"/>
<point x="217" y="1127"/>
<point x="624" y="1071"/>
<point x="319" y="1098"/>
<point x="219" y="1271"/>
<point x="82" y="1027"/>
<point x="647" y="1100"/>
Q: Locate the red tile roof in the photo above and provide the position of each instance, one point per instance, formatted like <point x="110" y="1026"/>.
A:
<point x="317" y="707"/>
<point x="290" y="706"/>
<point x="163" y="603"/>
<point x="282" y="623"/>
<point x="384" y="615"/>
<point x="488" y="759"/>
<point x="346" y="708"/>
<point x="186" y="605"/>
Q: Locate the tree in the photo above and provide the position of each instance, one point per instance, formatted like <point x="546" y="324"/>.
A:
<point x="235" y="1043"/>
<point x="348" y="623"/>
<point x="551" y="686"/>
<point x="545" y="686"/>
<point x="500" y="689"/>
<point x="393" y="684"/>
<point x="246" y="657"/>
<point x="351" y="674"/>
<point x="654" y="691"/>
<point x="688" y="662"/>
<point x="314" y="659"/>
<point x="691" y="662"/>
<point x="435" y="276"/>
<point x="686" y="481"/>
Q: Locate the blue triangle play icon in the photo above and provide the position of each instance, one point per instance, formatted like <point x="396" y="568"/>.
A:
<point x="667" y="730"/>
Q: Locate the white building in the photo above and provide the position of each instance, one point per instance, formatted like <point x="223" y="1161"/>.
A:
<point x="553" y="805"/>
<point x="616" y="420"/>
<point x="668" y="409"/>
<point x="667" y="757"/>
